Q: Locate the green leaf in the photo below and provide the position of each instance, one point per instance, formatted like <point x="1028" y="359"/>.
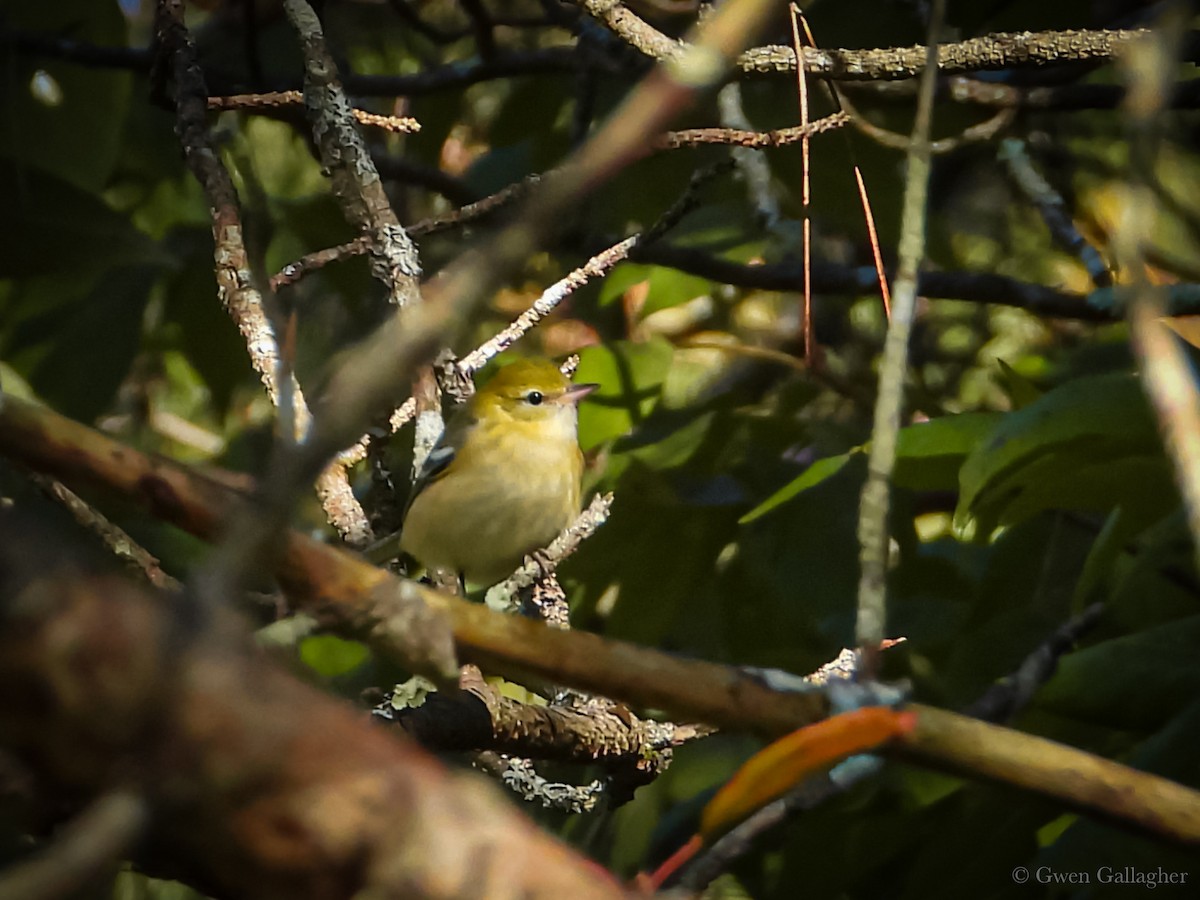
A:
<point x="1089" y="444"/>
<point x="331" y="656"/>
<point x="1132" y="682"/>
<point x="928" y="457"/>
<point x="1020" y="390"/>
<point x="930" y="454"/>
<point x="630" y="376"/>
<point x="813" y="475"/>
<point x="667" y="287"/>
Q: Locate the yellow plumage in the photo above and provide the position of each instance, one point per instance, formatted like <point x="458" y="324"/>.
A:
<point x="504" y="479"/>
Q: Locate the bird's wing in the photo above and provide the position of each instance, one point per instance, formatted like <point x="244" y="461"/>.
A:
<point x="437" y="464"/>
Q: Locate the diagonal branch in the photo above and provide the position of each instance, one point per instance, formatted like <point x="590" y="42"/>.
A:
<point x="356" y="183"/>
<point x="873" y="532"/>
<point x="403" y="621"/>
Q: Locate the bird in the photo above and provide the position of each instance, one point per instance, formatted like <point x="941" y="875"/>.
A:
<point x="502" y="481"/>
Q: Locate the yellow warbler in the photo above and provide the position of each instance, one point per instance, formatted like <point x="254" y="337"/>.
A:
<point x="503" y="479"/>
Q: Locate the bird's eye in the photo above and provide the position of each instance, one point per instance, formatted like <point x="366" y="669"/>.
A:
<point x="534" y="398"/>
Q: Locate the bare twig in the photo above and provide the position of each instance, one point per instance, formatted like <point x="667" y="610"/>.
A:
<point x="136" y="558"/>
<point x="994" y="51"/>
<point x="1049" y="203"/>
<point x="293" y="272"/>
<point x="977" y="133"/>
<point x="1011" y="694"/>
<point x="596" y="267"/>
<point x="283" y="99"/>
<point x="506" y="594"/>
<point x="756" y="140"/>
<point x="873" y="532"/>
<point x="235" y="288"/>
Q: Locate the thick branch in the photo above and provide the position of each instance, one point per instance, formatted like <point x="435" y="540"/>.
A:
<point x="264" y="785"/>
<point x="343" y="589"/>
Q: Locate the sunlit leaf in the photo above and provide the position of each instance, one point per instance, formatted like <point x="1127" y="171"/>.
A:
<point x="630" y="376"/>
<point x="814" y="474"/>
<point x="1088" y="444"/>
<point x="331" y="656"/>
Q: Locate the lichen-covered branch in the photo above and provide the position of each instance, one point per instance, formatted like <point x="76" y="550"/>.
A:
<point x="992" y="51"/>
<point x="238" y="294"/>
<point x="356" y="183"/>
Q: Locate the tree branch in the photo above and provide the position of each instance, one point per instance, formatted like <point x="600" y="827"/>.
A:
<point x="355" y="180"/>
<point x="277" y="790"/>
<point x="404" y="621"/>
<point x="874" y="535"/>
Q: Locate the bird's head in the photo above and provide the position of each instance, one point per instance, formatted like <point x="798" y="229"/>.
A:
<point x="530" y="390"/>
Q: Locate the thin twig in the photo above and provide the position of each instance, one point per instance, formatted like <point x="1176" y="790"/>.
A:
<point x="135" y="557"/>
<point x="472" y="212"/>
<point x="1053" y="209"/>
<point x="1011" y="694"/>
<point x="596" y="267"/>
<point x="981" y="132"/>
<point x="505" y="595"/>
<point x="873" y="534"/>
<point x="283" y="99"/>
<point x="755" y="140"/>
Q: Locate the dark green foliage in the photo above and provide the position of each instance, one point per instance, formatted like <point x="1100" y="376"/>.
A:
<point x="1030" y="479"/>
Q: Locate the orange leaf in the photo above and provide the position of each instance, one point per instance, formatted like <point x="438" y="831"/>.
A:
<point x="780" y="766"/>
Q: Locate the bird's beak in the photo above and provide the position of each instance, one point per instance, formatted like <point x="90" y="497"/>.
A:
<point x="576" y="392"/>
